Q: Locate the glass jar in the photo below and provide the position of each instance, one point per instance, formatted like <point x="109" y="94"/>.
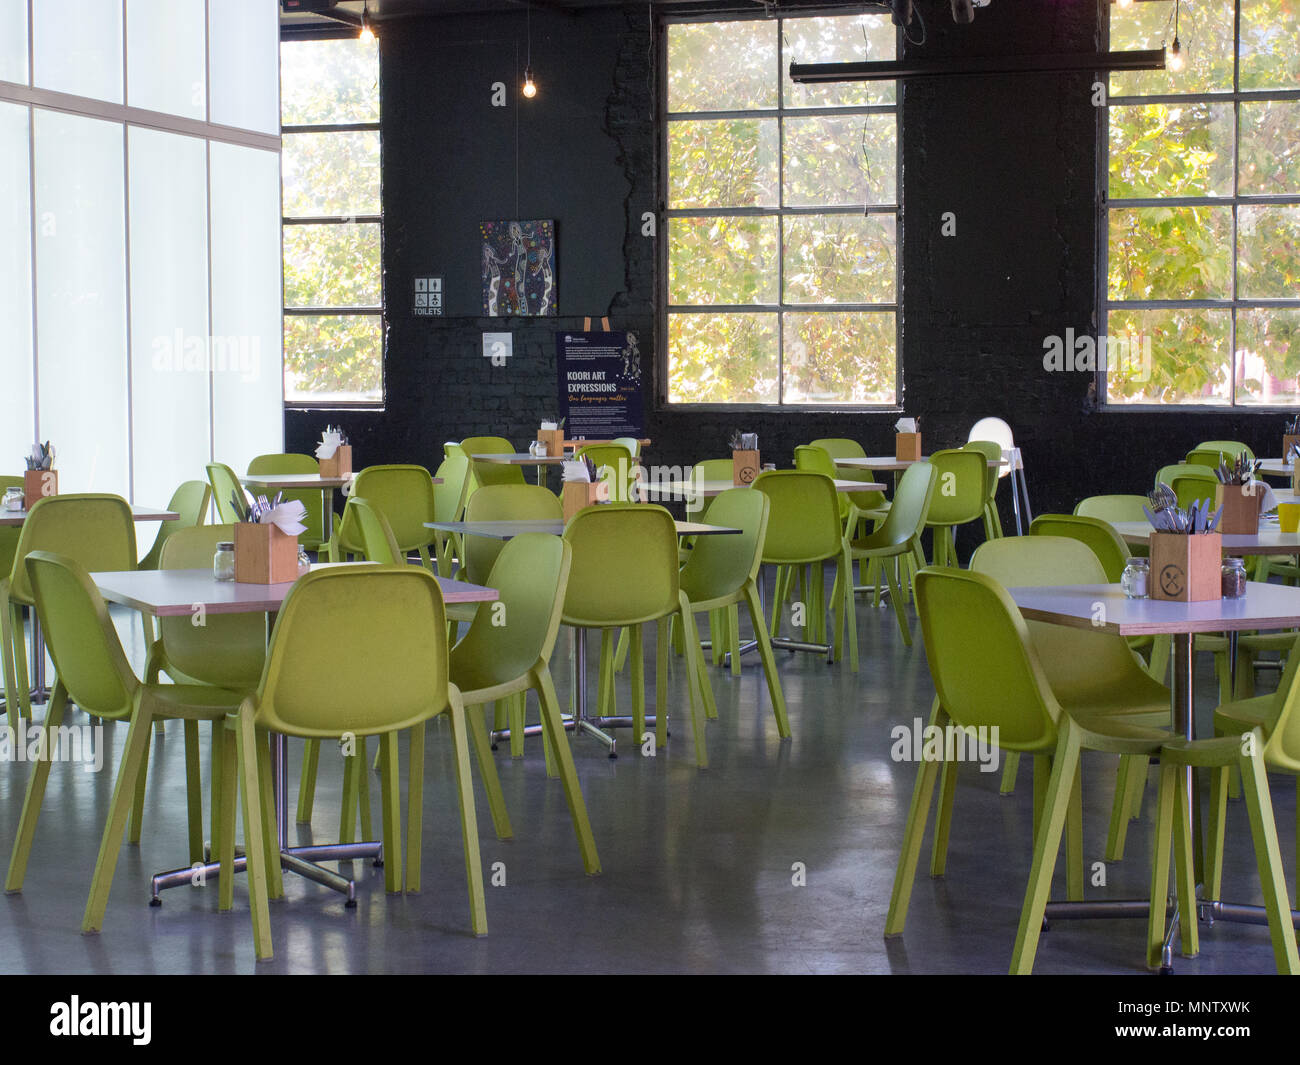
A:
<point x="1136" y="578"/>
<point x="223" y="562"/>
<point x="304" y="562"/>
<point x="1234" y="578"/>
<point x="13" y="498"/>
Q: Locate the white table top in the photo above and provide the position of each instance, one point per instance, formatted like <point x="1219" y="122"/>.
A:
<point x="709" y="489"/>
<point x="506" y="530"/>
<point x="1269" y="541"/>
<point x="297" y="480"/>
<point x="1275" y="467"/>
<point x="1105" y="607"/>
<point x="9" y="518"/>
<point x="890" y="463"/>
<point x="521" y="458"/>
<point x="176" y="592"/>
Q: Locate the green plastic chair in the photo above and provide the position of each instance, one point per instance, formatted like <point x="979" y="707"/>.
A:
<point x="1189" y="482"/>
<point x="191" y="502"/>
<point x="616" y="466"/>
<point x="722" y="572"/>
<point x="988" y="674"/>
<point x="639" y="539"/>
<point x="448" y="505"/>
<point x="1100" y="536"/>
<point x="96" y="531"/>
<point x="378" y="544"/>
<point x="896" y="546"/>
<point x="490" y="472"/>
<point x="8" y="534"/>
<point x="495" y="662"/>
<point x="804" y="528"/>
<point x="992" y="452"/>
<point x="314" y="500"/>
<point x="813" y="459"/>
<point x="93" y="672"/>
<point x="872" y="505"/>
<point x="225" y="484"/>
<point x="1230" y="448"/>
<point x="959" y="497"/>
<point x="1112" y="508"/>
<point x="1090" y="672"/>
<point x="316" y="686"/>
<point x="403" y="494"/>
<point x="1255" y="736"/>
<point x="632" y="443"/>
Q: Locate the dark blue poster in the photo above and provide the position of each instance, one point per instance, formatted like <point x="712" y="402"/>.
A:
<point x="600" y="385"/>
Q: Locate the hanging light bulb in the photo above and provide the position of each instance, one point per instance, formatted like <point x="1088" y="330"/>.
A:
<point x="1176" y="59"/>
<point x="367" y="34"/>
<point x="530" y="86"/>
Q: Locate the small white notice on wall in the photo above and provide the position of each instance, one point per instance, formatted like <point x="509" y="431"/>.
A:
<point x="498" y="347"/>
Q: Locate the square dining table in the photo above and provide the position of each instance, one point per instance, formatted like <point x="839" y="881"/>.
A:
<point x="279" y="482"/>
<point x="1105" y="607"/>
<point x="182" y="593"/>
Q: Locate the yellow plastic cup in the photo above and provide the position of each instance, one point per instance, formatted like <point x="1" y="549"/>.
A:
<point x="1288" y="517"/>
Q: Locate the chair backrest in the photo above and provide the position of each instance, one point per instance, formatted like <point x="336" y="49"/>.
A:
<point x="616" y="466"/>
<point x="998" y="431"/>
<point x="713" y="470"/>
<point x="449" y="496"/>
<point x="311" y="498"/>
<point x="377" y="541"/>
<point x="804" y="522"/>
<point x="1231" y="448"/>
<point x="839" y="447"/>
<point x="1100" y="537"/>
<point x="720" y="565"/>
<point x="403" y="494"/>
<point x="490" y="472"/>
<point x="224" y="485"/>
<point x="815" y="459"/>
<point x="985" y="669"/>
<point x="228" y="650"/>
<point x="910" y="510"/>
<point x="1282" y="749"/>
<point x="83" y="643"/>
<point x="632" y="443"/>
<point x="360" y="649"/>
<point x="96" y="531"/>
<point x="992" y="452"/>
<point x="8" y="534"/>
<point x="190" y="501"/>
<point x="503" y="502"/>
<point x="1189" y="482"/>
<point x="1206" y="457"/>
<point x="1112" y="508"/>
<point x="531" y="576"/>
<point x="959" y="492"/>
<point x="624" y="565"/>
<point x="1073" y="659"/>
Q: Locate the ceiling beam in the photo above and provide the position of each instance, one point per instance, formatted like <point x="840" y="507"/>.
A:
<point x="1067" y="63"/>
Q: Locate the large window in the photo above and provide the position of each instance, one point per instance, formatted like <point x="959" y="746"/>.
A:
<point x="1201" y="222"/>
<point x="333" y="272"/>
<point x="782" y="264"/>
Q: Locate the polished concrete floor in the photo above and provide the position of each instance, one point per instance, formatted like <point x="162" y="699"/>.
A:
<point x="700" y="868"/>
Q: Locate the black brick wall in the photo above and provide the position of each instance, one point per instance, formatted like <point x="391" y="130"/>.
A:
<point x="1014" y="158"/>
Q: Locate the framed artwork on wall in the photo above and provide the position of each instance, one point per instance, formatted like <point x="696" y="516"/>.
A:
<point x="519" y="269"/>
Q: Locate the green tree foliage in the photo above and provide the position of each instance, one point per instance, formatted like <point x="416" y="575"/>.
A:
<point x="1184" y="252"/>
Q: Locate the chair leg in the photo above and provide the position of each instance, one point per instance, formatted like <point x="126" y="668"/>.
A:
<point x="7" y="656"/>
<point x="230" y="763"/>
<point x="733" y="639"/>
<point x="487" y="768"/>
<point x="896" y="597"/>
<point x="850" y="610"/>
<point x="706" y="688"/>
<point x="391" y="816"/>
<point x="363" y="790"/>
<point x="1130" y="775"/>
<point x="1268" y="857"/>
<point x="553" y="727"/>
<point x="943" y="821"/>
<point x="636" y="653"/>
<point x="255" y="844"/>
<point x="518" y="713"/>
<point x="36" y="780"/>
<point x="606" y="699"/>
<point x="1165" y="795"/>
<point x="1009" y="770"/>
<point x="137" y="800"/>
<point x="769" y="660"/>
<point x="693" y="681"/>
<point x="351" y="798"/>
<point x="468" y="818"/>
<point x="661" y="676"/>
<point x="415" y="808"/>
<point x="137" y="744"/>
<point x="927" y="773"/>
<point x="620" y="652"/>
<point x="1047" y="846"/>
<point x="1074" y="840"/>
<point x="270" y="829"/>
<point x="1185" y="874"/>
<point x="307" y="781"/>
<point x="193" y="790"/>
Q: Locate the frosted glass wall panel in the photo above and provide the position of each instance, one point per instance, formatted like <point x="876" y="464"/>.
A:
<point x="13" y="41"/>
<point x="169" y="312"/>
<point x="247" y="384"/>
<point x="165" y="56"/>
<point x="244" y="58"/>
<point x="81" y="299"/>
<point x="77" y="47"/>
<point x="16" y="401"/>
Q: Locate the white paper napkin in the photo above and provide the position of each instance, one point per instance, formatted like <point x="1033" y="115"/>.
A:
<point x="287" y="517"/>
<point x="905" y="425"/>
<point x="329" y="443"/>
<point x="576" y="470"/>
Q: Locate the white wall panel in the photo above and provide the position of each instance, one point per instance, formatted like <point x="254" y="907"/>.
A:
<point x="13" y="41"/>
<point x="17" y="409"/>
<point x="77" y="47"/>
<point x="244" y="58"/>
<point x="166" y="62"/>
